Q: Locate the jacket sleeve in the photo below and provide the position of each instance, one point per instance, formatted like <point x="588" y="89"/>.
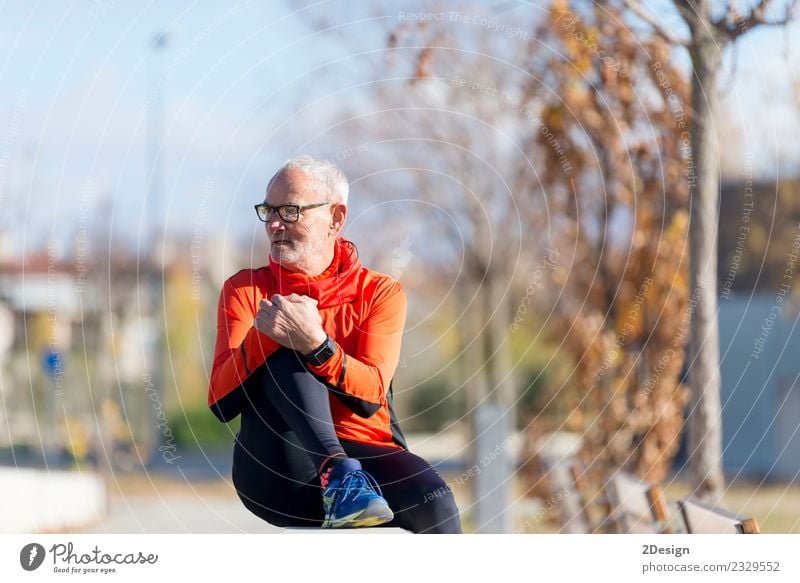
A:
<point x="240" y="350"/>
<point x="362" y="379"/>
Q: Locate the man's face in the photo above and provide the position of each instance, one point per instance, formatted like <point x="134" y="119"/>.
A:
<point x="296" y="245"/>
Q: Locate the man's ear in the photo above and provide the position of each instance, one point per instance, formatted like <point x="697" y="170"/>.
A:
<point x="338" y="217"/>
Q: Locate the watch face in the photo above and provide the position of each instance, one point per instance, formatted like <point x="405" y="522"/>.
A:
<point x="327" y="350"/>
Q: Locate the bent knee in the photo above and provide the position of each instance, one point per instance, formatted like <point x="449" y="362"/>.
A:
<point x="432" y="507"/>
<point x="287" y="515"/>
<point x="440" y="498"/>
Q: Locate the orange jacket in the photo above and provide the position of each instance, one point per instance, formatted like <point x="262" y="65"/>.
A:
<point x="362" y="310"/>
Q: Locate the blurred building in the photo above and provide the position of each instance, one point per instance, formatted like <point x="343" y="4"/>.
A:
<point x="759" y="344"/>
<point x="42" y="312"/>
<point x="94" y="350"/>
<point x="759" y="253"/>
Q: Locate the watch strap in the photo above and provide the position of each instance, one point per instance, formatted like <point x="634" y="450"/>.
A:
<point x="322" y="354"/>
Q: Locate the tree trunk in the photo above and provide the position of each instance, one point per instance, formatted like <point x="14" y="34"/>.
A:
<point x="494" y="418"/>
<point x="497" y="345"/>
<point x="704" y="420"/>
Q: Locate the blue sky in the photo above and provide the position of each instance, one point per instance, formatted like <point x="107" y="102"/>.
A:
<point x="74" y="99"/>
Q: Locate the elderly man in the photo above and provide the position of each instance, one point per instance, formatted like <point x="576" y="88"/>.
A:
<point x="306" y="350"/>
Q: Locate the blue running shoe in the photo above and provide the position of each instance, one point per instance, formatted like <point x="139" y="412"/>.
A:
<point x="352" y="498"/>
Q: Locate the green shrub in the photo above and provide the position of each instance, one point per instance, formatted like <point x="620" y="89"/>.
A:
<point x="197" y="428"/>
<point x="432" y="404"/>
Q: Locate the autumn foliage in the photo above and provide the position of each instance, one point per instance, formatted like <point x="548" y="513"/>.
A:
<point x="621" y="114"/>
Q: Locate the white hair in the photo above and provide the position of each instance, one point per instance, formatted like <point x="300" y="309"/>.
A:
<point x="326" y="176"/>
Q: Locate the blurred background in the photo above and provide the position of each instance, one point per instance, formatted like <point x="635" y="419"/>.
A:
<point x="523" y="168"/>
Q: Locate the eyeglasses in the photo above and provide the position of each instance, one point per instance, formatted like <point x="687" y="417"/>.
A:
<point x="289" y="213"/>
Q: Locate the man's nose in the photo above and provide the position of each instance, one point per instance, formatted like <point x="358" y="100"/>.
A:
<point x="275" y="224"/>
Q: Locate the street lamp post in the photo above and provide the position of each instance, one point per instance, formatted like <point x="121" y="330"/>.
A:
<point x="155" y="232"/>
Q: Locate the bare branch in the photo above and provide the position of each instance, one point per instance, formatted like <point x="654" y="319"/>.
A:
<point x="636" y="7"/>
<point x="687" y="11"/>
<point x="735" y="24"/>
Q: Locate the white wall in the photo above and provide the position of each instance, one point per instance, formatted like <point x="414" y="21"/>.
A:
<point x="49" y="501"/>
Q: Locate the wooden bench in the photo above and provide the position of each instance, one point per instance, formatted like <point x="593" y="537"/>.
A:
<point x="700" y="518"/>
<point x="635" y="506"/>
<point x="566" y="497"/>
<point x="594" y="506"/>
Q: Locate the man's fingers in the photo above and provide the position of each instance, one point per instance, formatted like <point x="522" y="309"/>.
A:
<point x="266" y="314"/>
<point x="297" y="298"/>
<point x="263" y="322"/>
<point x="265" y="303"/>
<point x="279" y="300"/>
<point x="300" y="299"/>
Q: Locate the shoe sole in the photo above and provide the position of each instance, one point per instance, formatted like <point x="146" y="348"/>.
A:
<point x="373" y="515"/>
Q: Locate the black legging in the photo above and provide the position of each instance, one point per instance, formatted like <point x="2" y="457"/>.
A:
<point x="287" y="432"/>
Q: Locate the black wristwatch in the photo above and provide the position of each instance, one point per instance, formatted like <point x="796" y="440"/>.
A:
<point x="322" y="354"/>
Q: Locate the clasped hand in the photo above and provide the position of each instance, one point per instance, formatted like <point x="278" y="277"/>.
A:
<point x="292" y="321"/>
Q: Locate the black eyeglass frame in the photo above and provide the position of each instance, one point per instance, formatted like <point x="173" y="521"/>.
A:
<point x="289" y="213"/>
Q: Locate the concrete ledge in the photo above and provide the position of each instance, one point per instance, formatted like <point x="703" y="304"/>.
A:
<point x="49" y="501"/>
<point x="374" y="530"/>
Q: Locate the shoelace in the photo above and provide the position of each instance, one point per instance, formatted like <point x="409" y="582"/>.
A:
<point x="357" y="480"/>
<point x="325" y="477"/>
